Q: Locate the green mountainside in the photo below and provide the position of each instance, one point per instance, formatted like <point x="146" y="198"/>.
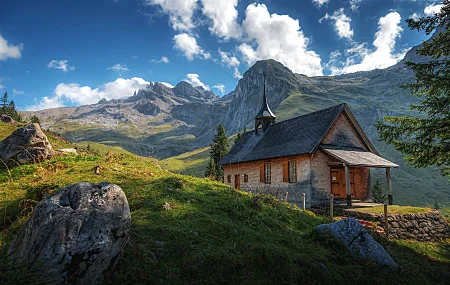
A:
<point x="211" y="233"/>
<point x="174" y="125"/>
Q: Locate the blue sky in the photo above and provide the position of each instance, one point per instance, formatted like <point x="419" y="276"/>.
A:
<point x="70" y="52"/>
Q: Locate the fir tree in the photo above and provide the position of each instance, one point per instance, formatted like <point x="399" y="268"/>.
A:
<point x="211" y="170"/>
<point x="35" y="119"/>
<point x="219" y="148"/>
<point x="425" y="139"/>
<point x="377" y="193"/>
<point x="239" y="135"/>
<point x="4" y="100"/>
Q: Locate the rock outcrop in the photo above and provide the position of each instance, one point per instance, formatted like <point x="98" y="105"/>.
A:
<point x="25" y="144"/>
<point x="78" y="233"/>
<point x="6" y="119"/>
<point x="357" y="240"/>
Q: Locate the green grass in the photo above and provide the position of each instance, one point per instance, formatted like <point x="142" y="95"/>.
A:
<point x="191" y="163"/>
<point x="214" y="234"/>
<point x="392" y="209"/>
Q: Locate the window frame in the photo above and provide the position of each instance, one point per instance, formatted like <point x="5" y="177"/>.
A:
<point x="229" y="178"/>
<point x="267" y="173"/>
<point x="245" y="178"/>
<point x="292" y="171"/>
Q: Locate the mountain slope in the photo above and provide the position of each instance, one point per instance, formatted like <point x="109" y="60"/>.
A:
<point x="210" y="233"/>
<point x="164" y="122"/>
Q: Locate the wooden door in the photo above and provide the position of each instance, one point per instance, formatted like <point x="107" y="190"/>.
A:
<point x="338" y="182"/>
<point x="237" y="181"/>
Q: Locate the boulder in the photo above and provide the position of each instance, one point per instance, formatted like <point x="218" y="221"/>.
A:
<point x="30" y="142"/>
<point x="78" y="233"/>
<point x="6" y="119"/>
<point x="357" y="240"/>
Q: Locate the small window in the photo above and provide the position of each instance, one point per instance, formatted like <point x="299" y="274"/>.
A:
<point x="292" y="171"/>
<point x="229" y="178"/>
<point x="245" y="178"/>
<point x="267" y="174"/>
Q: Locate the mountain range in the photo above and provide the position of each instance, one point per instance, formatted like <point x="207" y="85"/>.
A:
<point x="164" y="122"/>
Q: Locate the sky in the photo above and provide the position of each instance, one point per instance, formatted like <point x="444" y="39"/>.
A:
<point x="56" y="53"/>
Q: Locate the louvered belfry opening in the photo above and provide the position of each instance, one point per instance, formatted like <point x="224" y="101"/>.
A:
<point x="265" y="116"/>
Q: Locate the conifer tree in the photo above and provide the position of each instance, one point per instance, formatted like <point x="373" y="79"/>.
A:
<point x="35" y="119"/>
<point x="425" y="139"/>
<point x="219" y="148"/>
<point x="4" y="100"/>
<point x="377" y="193"/>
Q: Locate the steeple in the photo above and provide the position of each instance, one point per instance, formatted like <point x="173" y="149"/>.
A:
<point x="265" y="116"/>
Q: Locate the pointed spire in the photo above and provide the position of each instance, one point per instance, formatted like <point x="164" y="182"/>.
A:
<point x="265" y="111"/>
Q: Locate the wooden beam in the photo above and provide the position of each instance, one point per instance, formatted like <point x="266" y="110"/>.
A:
<point x="347" y="185"/>
<point x="389" y="185"/>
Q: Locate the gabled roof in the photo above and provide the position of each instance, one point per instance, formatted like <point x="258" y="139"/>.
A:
<point x="300" y="135"/>
<point x="357" y="157"/>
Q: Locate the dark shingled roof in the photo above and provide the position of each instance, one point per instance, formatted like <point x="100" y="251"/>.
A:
<point x="291" y="137"/>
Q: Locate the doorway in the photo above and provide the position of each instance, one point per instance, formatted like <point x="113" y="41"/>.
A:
<point x="237" y="181"/>
<point x="338" y="182"/>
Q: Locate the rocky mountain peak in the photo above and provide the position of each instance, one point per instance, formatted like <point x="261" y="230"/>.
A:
<point x="185" y="90"/>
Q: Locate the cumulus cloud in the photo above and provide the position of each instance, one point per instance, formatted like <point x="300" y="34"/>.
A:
<point x="341" y="23"/>
<point x="119" y="68"/>
<point x="223" y="15"/>
<point x="9" y="50"/>
<point x="232" y="62"/>
<point x="163" y="59"/>
<point x="189" y="47"/>
<point x="167" y="84"/>
<point x="194" y="80"/>
<point x="83" y="95"/>
<point x="220" y="87"/>
<point x="278" y="37"/>
<point x="384" y="53"/>
<point x="354" y="4"/>
<point x="18" y="92"/>
<point x="60" y="64"/>
<point x="431" y="10"/>
<point x="180" y="12"/>
<point x="415" y="16"/>
<point x="319" y="3"/>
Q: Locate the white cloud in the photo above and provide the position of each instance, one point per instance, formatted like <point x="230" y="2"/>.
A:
<point x="220" y="87"/>
<point x="9" y="50"/>
<point x="278" y="37"/>
<point x="341" y="23"/>
<point x="46" y="103"/>
<point x="223" y="15"/>
<point x="134" y="57"/>
<point x="415" y="16"/>
<point x="431" y="10"/>
<point x="119" y="68"/>
<point x="194" y="80"/>
<point x="60" y="64"/>
<point x="167" y="84"/>
<point x="2" y="87"/>
<point x="18" y="92"/>
<point x="232" y="62"/>
<point x="384" y="54"/>
<point x="180" y="12"/>
<point x="163" y="59"/>
<point x="83" y="95"/>
<point x="320" y="2"/>
<point x="189" y="47"/>
<point x="354" y="5"/>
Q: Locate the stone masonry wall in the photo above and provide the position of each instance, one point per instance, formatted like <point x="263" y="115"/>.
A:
<point x="277" y="187"/>
<point x="429" y="226"/>
<point x="422" y="226"/>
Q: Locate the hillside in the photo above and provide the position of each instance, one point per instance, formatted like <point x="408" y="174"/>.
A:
<point x="213" y="234"/>
<point x="173" y="124"/>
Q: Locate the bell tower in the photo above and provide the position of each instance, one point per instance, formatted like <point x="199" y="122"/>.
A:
<point x="265" y="116"/>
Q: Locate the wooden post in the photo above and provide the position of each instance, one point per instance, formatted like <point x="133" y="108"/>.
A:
<point x="347" y="185"/>
<point x="331" y="206"/>
<point x="386" y="225"/>
<point x="388" y="182"/>
<point x="285" y="197"/>
<point x="304" y="201"/>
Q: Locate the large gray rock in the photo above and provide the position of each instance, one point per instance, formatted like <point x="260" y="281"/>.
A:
<point x="357" y="240"/>
<point x="24" y="141"/>
<point x="78" y="233"/>
<point x="6" y="119"/>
